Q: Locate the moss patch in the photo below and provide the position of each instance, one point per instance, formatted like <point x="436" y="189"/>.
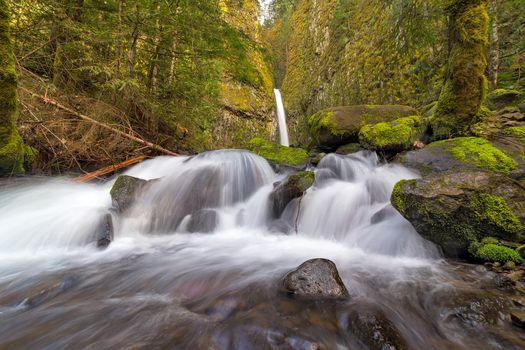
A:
<point x="478" y="152"/>
<point x="517" y="132"/>
<point x="498" y="213"/>
<point x="491" y="250"/>
<point x="277" y="153"/>
<point x="394" y="136"/>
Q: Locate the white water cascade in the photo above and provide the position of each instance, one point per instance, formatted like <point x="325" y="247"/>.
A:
<point x="281" y="118"/>
<point x="197" y="261"/>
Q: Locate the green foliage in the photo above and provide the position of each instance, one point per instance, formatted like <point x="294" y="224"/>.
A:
<point x="478" y="152"/>
<point x="394" y="136"/>
<point x="277" y="153"/>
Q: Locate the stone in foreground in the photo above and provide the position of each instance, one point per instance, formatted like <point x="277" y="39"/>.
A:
<point x="455" y="209"/>
<point x="316" y="278"/>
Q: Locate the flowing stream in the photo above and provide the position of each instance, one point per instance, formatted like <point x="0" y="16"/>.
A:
<point x="159" y="286"/>
<point x="281" y="118"/>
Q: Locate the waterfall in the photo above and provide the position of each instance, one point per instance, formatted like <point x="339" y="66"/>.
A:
<point x="281" y="118"/>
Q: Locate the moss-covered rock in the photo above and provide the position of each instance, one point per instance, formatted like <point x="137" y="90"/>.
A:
<point x="12" y="149"/>
<point x="395" y="136"/>
<point x="337" y="126"/>
<point x="454" y="210"/>
<point x="460" y="154"/>
<point x="125" y="190"/>
<point x="349" y="148"/>
<point x="465" y="87"/>
<point x="517" y="132"/>
<point x="293" y="187"/>
<point x="278" y="154"/>
<point x="500" y="98"/>
<point x="489" y="249"/>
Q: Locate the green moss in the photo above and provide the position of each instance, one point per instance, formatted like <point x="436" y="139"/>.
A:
<point x="478" y="152"/>
<point x="277" y="153"/>
<point x="495" y="253"/>
<point x="397" y="197"/>
<point x="499" y="214"/>
<point x="517" y="131"/>
<point x="395" y="136"/>
<point x="323" y="120"/>
<point x="302" y="180"/>
<point x="466" y="86"/>
<point x="503" y="92"/>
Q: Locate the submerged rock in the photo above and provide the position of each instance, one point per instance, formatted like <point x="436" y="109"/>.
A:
<point x="373" y="330"/>
<point x="316" y="278"/>
<point x="124" y="191"/>
<point x="454" y="210"/>
<point x="293" y="187"/>
<point x="338" y="126"/>
<point x="204" y="220"/>
<point x="105" y="231"/>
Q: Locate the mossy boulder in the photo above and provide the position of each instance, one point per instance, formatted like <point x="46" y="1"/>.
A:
<point x="338" y="126"/>
<point x="454" y="210"/>
<point x="395" y="136"/>
<point x="490" y="249"/>
<point x="459" y="154"/>
<point x="125" y="191"/>
<point x="293" y="187"/>
<point x="349" y="149"/>
<point x="278" y="154"/>
<point x="500" y="98"/>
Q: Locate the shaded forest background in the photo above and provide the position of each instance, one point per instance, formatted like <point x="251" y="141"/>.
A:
<point x="192" y="75"/>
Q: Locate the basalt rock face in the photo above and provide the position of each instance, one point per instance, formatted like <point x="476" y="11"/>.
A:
<point x="316" y="279"/>
<point x="454" y="210"/>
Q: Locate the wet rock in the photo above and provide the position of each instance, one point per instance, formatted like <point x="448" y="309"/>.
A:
<point x="316" y="278"/>
<point x="509" y="265"/>
<point x="204" y="221"/>
<point x="454" y="210"/>
<point x="349" y="149"/>
<point x="518" y="318"/>
<point x="460" y="154"/>
<point x="500" y="98"/>
<point x="293" y="187"/>
<point x="373" y="330"/>
<point x="386" y="212"/>
<point x="338" y="126"/>
<point x="104" y="231"/>
<point x="317" y="158"/>
<point x="278" y="154"/>
<point x="124" y="191"/>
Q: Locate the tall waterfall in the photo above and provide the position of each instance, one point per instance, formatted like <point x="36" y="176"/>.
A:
<point x="281" y="117"/>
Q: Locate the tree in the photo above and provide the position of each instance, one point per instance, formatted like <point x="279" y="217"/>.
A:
<point x="12" y="149"/>
<point x="465" y="86"/>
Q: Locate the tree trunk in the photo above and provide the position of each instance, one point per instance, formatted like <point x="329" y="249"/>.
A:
<point x="12" y="149"/>
<point x="465" y="85"/>
<point x="494" y="60"/>
<point x="132" y="44"/>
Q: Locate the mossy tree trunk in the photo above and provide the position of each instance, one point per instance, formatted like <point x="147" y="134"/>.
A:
<point x="465" y="85"/>
<point x="12" y="148"/>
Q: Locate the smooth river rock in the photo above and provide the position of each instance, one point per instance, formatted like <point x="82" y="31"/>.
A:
<point x="316" y="278"/>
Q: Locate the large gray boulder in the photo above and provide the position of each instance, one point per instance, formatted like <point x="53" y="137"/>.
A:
<point x="316" y="278"/>
<point x="454" y="210"/>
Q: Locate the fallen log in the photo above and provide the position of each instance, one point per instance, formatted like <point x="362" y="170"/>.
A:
<point x="57" y="104"/>
<point x="109" y="169"/>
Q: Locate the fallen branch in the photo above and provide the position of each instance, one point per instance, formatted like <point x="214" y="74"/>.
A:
<point x="109" y="169"/>
<point x="52" y="102"/>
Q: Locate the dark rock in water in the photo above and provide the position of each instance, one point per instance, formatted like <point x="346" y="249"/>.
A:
<point x="104" y="231"/>
<point x="334" y="127"/>
<point x="280" y="226"/>
<point x="316" y="278"/>
<point x="518" y="318"/>
<point x="373" y="330"/>
<point x="386" y="212"/>
<point x="125" y="190"/>
<point x="454" y="210"/>
<point x="349" y="149"/>
<point x="293" y="187"/>
<point x="317" y="158"/>
<point x="204" y="221"/>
